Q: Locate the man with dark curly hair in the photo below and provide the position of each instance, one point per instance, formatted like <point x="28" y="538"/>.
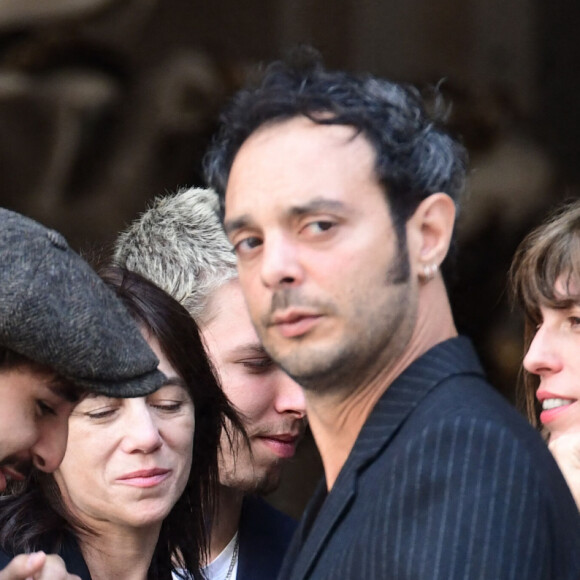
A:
<point x="340" y="195"/>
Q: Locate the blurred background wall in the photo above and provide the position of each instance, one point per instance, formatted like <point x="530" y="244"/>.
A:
<point x="105" y="104"/>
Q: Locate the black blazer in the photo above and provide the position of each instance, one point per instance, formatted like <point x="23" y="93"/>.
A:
<point x="265" y="534"/>
<point x="445" y="481"/>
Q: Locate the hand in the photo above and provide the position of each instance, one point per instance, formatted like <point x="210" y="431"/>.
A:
<point x="566" y="452"/>
<point x="36" y="566"/>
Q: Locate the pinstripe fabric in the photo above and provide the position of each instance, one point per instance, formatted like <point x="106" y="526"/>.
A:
<point x="445" y="481"/>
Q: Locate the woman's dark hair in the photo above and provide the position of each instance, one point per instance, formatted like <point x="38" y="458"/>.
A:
<point x="36" y="518"/>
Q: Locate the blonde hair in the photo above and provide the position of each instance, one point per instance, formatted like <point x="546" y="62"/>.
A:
<point x="179" y="244"/>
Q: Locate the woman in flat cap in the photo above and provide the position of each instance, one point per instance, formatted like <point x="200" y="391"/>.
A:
<point x="136" y="486"/>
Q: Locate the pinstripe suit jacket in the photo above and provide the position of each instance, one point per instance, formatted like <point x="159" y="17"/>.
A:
<point x="445" y="481"/>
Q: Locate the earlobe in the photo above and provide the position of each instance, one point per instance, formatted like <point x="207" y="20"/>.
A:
<point x="432" y="225"/>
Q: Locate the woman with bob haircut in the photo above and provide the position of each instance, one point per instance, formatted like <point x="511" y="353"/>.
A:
<point x="545" y="280"/>
<point x="136" y="488"/>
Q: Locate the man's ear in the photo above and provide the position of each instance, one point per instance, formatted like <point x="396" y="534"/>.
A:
<point x="429" y="230"/>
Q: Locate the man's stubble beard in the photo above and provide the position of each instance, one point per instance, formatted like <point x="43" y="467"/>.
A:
<point x="355" y="358"/>
<point x="237" y="469"/>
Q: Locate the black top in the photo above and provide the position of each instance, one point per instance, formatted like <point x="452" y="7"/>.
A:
<point x="70" y="553"/>
<point x="264" y="534"/>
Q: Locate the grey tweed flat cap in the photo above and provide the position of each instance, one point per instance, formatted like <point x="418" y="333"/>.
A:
<point x="55" y="310"/>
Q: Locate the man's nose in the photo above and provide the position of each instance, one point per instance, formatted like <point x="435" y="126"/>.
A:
<point x="280" y="264"/>
<point x="289" y="396"/>
<point x="50" y="446"/>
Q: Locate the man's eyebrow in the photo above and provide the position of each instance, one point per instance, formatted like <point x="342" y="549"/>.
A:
<point x="231" y="226"/>
<point x="315" y="205"/>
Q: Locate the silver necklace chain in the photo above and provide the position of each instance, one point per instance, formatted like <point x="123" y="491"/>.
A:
<point x="234" y="559"/>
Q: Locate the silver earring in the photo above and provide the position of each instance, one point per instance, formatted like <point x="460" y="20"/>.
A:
<point x="429" y="271"/>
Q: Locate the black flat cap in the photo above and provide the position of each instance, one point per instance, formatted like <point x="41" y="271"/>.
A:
<point x="55" y="310"/>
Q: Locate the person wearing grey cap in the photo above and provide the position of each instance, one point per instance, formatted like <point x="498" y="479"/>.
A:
<point x="62" y="333"/>
<point x="131" y="498"/>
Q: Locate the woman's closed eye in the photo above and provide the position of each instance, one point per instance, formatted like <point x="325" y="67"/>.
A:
<point x="97" y="407"/>
<point x="101" y="412"/>
<point x="168" y="406"/>
<point x="170" y="398"/>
